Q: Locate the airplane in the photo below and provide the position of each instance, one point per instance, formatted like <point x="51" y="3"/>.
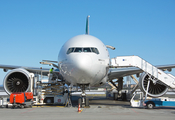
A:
<point x="83" y="61"/>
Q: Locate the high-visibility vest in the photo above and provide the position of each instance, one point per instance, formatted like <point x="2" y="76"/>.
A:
<point x="51" y="70"/>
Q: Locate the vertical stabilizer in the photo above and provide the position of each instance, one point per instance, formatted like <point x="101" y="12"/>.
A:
<point x="87" y="25"/>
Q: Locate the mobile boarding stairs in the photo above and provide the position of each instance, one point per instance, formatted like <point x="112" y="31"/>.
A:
<point x="135" y="61"/>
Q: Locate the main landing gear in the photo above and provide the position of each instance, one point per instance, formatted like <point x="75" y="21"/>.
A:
<point x="83" y="100"/>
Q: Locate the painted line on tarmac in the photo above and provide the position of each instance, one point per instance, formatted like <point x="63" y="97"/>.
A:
<point x="28" y="110"/>
<point x="134" y="111"/>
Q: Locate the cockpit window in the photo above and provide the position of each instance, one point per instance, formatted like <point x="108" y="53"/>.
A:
<point x="86" y="49"/>
<point x="70" y="50"/>
<point x="95" y="50"/>
<point x="78" y="50"/>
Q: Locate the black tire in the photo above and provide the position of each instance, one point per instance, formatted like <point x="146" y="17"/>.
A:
<point x="22" y="106"/>
<point x="115" y="96"/>
<point x="87" y="102"/>
<point x="80" y="102"/>
<point x="49" y="100"/>
<point x="13" y="107"/>
<point x="150" y="105"/>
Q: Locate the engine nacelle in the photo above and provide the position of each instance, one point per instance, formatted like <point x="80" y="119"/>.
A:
<point x="155" y="90"/>
<point x="17" y="80"/>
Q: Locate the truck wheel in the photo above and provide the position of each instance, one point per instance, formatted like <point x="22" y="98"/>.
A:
<point x="22" y="106"/>
<point x="150" y="105"/>
<point x="13" y="107"/>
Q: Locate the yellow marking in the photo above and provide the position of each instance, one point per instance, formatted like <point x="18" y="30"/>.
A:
<point x="96" y="95"/>
<point x="50" y="106"/>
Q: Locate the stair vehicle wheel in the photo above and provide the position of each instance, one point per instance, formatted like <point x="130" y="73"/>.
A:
<point x="150" y="105"/>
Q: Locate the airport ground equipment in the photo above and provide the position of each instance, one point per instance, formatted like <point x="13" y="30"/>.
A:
<point x="153" y="81"/>
<point x="158" y="102"/>
<point x="21" y="99"/>
<point x="3" y="101"/>
<point x="51" y="99"/>
<point x="137" y="100"/>
<point x="51" y="93"/>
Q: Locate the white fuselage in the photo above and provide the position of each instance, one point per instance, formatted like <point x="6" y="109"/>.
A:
<point x="84" y="59"/>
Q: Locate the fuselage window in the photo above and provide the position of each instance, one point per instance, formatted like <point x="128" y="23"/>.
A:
<point x="95" y="50"/>
<point x="70" y="50"/>
<point x="86" y="50"/>
<point x="78" y="50"/>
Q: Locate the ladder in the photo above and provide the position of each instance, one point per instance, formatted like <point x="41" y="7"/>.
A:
<point x="136" y="61"/>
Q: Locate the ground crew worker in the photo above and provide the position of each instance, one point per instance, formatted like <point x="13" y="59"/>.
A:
<point x="50" y="75"/>
<point x="51" y="70"/>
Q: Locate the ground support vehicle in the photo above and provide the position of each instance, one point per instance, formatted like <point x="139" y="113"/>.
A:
<point x="160" y="102"/>
<point x="21" y="99"/>
<point x="56" y="99"/>
<point x="138" y="101"/>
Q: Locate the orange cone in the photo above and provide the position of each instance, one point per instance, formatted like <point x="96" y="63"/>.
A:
<point x="79" y="110"/>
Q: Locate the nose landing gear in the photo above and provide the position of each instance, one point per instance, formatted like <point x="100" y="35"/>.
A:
<point x="84" y="100"/>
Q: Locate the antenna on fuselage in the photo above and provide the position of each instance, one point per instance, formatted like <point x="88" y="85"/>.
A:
<point x="87" y="25"/>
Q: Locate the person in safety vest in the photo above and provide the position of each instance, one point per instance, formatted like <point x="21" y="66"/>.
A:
<point x="51" y="70"/>
<point x="50" y="75"/>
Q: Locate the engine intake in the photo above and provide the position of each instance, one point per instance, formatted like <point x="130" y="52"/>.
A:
<point x="17" y="80"/>
<point x="154" y="90"/>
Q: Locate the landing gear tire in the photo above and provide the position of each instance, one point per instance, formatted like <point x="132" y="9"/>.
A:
<point x="87" y="102"/>
<point x="115" y="96"/>
<point x="80" y="102"/>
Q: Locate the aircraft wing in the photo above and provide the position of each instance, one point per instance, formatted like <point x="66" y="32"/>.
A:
<point x="115" y="73"/>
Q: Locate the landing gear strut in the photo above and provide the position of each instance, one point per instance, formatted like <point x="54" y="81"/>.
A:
<point x="83" y="100"/>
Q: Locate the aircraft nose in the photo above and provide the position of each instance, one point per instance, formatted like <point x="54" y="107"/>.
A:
<point x="83" y="62"/>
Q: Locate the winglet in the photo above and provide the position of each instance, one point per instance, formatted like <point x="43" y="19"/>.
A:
<point x="87" y="25"/>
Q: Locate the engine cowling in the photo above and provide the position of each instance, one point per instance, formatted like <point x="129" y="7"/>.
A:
<point x="154" y="90"/>
<point x="17" y="80"/>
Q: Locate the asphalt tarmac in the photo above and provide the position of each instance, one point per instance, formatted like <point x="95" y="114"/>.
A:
<point x="100" y="109"/>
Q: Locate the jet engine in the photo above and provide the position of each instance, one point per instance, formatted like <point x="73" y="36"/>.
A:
<point x="17" y="80"/>
<point x="156" y="88"/>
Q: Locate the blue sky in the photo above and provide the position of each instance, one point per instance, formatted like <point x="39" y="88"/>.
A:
<point x="33" y="30"/>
